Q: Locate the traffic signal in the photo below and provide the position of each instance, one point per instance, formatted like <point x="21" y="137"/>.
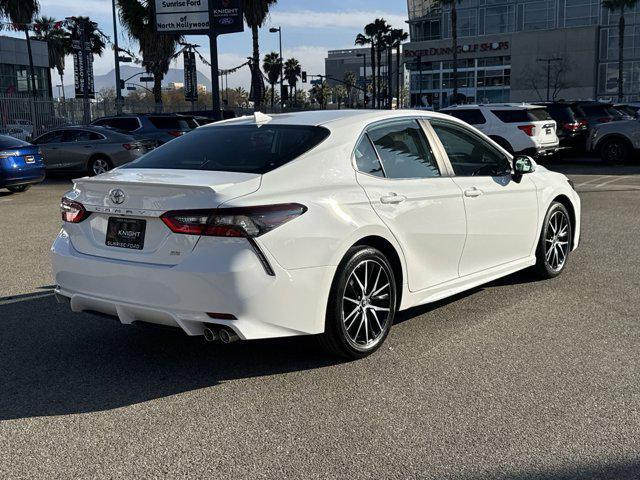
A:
<point x="121" y="84"/>
<point x="304" y="77"/>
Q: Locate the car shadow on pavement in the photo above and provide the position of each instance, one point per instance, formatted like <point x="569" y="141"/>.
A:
<point x="591" y="166"/>
<point x="54" y="362"/>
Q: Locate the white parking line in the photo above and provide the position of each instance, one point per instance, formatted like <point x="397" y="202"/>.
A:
<point x="593" y="180"/>
<point x="609" y="181"/>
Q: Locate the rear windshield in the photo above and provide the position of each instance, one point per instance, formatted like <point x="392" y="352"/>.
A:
<point x="561" y="113"/>
<point x="522" y="115"/>
<point x="595" y="110"/>
<point x="172" y="123"/>
<point x="8" y="142"/>
<point x="234" y="148"/>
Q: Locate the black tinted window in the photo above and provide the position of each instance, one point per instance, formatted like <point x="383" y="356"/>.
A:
<point x="366" y="158"/>
<point x="471" y="116"/>
<point x="522" y="115"/>
<point x="51" y="137"/>
<point x="79" y="136"/>
<point x="469" y="154"/>
<point x="234" y="148"/>
<point x="8" y="142"/>
<point x="539" y="114"/>
<point x="595" y="110"/>
<point x="126" y="124"/>
<point x="170" y="123"/>
<point x="404" y="150"/>
<point x="561" y="113"/>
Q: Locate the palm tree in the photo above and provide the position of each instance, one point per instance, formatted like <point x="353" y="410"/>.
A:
<point x="292" y="71"/>
<point x="368" y="38"/>
<point x="454" y="41"/>
<point x="340" y="93"/>
<point x="21" y="13"/>
<point x="271" y="66"/>
<point x="94" y="36"/>
<point x="398" y="36"/>
<point x="58" y="40"/>
<point x="350" y="79"/>
<point x="157" y="50"/>
<point x="382" y="28"/>
<point x="255" y="13"/>
<point x="241" y="96"/>
<point x="612" y="6"/>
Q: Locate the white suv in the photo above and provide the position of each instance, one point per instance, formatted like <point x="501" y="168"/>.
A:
<point x="518" y="128"/>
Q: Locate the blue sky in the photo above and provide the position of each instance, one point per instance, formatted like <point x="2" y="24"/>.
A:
<point x="310" y="28"/>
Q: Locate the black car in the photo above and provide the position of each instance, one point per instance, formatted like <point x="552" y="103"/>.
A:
<point x="159" y="127"/>
<point x="572" y="128"/>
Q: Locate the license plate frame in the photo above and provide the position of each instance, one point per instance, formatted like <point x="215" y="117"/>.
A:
<point x="126" y="233"/>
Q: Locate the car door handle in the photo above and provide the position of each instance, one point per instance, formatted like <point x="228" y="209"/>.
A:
<point x="473" y="192"/>
<point x="393" y="198"/>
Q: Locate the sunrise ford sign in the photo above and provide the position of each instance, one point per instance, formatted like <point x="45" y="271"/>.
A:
<point x="192" y="16"/>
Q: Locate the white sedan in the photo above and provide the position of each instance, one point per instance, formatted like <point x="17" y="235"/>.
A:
<point x="318" y="223"/>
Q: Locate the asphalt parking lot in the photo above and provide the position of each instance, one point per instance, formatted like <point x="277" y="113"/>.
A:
<point x="519" y="379"/>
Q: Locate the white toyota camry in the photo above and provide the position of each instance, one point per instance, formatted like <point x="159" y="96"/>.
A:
<point x="322" y="223"/>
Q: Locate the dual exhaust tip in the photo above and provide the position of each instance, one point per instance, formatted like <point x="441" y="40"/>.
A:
<point x="222" y="334"/>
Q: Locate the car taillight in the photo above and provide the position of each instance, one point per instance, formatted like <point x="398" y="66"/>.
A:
<point x="573" y="127"/>
<point x="528" y="129"/>
<point x="232" y="222"/>
<point x="175" y="133"/>
<point x="584" y="124"/>
<point x="72" y="212"/>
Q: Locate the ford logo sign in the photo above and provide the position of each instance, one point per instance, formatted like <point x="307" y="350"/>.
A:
<point x="226" y="21"/>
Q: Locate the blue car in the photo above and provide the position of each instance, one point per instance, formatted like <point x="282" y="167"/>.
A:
<point x="21" y="164"/>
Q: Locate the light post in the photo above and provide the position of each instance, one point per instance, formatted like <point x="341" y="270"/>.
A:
<point x="116" y="53"/>
<point x="279" y="31"/>
<point x="364" y="61"/>
<point x="548" y="61"/>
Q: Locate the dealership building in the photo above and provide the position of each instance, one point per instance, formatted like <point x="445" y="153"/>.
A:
<point x="14" y="67"/>
<point x="520" y="50"/>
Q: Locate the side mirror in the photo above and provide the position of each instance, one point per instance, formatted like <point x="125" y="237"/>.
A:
<point x="523" y="164"/>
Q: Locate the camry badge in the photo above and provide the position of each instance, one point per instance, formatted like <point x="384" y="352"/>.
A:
<point x="117" y="196"/>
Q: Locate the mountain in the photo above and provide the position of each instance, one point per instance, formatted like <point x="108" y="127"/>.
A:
<point x="108" y="80"/>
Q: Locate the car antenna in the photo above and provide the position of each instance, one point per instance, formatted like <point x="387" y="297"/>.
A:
<point x="260" y="118"/>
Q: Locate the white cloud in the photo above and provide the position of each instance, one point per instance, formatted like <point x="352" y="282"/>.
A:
<point x="345" y="19"/>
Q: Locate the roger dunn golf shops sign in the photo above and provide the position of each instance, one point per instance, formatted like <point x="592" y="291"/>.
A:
<point x="192" y="16"/>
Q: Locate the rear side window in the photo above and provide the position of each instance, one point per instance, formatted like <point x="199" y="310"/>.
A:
<point x="51" y="137"/>
<point x="234" y="148"/>
<point x="170" y="123"/>
<point x="80" y="136"/>
<point x="126" y="124"/>
<point x="594" y="110"/>
<point x="366" y="158"/>
<point x="471" y="116"/>
<point x="539" y="114"/>
<point x="404" y="150"/>
<point x="561" y="113"/>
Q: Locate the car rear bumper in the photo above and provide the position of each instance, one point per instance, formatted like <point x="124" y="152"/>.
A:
<point x="28" y="177"/>
<point x="541" y="151"/>
<point x="220" y="276"/>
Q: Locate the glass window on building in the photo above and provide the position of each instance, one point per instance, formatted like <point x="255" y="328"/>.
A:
<point x="609" y="42"/>
<point x="494" y="78"/>
<point x="608" y="79"/>
<point x="498" y="19"/>
<point x="579" y="13"/>
<point x="538" y="14"/>
<point x="13" y="80"/>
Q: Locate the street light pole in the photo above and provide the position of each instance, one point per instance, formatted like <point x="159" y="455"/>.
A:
<point x="548" y="61"/>
<point x="279" y="30"/>
<point x="116" y="53"/>
<point x="364" y="61"/>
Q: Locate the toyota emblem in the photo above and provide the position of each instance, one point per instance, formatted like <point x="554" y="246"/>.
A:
<point x="117" y="196"/>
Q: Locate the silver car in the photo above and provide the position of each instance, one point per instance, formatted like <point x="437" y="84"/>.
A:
<point x="89" y="149"/>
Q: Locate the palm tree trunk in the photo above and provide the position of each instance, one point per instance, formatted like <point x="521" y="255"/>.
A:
<point x="273" y="93"/>
<point x="398" y="74"/>
<point x="64" y="99"/>
<point x="389" y="77"/>
<point x="454" y="47"/>
<point x="621" y="28"/>
<point x="373" y="74"/>
<point x="256" y="60"/>
<point x="379" y="71"/>
<point x="31" y="70"/>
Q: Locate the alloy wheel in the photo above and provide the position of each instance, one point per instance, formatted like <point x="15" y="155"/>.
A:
<point x="99" y="166"/>
<point x="557" y="240"/>
<point x="366" y="305"/>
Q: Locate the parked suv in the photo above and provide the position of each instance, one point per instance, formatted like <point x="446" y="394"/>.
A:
<point x="615" y="141"/>
<point x="571" y="129"/>
<point x="518" y="128"/>
<point x="595" y="113"/>
<point x="159" y="127"/>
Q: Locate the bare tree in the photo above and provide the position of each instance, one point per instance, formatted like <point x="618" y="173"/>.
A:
<point x="535" y="77"/>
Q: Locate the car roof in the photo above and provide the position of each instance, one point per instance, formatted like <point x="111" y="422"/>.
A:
<point x="495" y="106"/>
<point x="327" y="117"/>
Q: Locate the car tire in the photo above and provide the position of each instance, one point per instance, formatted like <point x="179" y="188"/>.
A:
<point x="19" y="188"/>
<point x="615" y="150"/>
<point x="99" y="165"/>
<point x="555" y="241"/>
<point x="362" y="304"/>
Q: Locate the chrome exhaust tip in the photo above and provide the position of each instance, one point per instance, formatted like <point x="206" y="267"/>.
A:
<point x="210" y="335"/>
<point x="227" y="335"/>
